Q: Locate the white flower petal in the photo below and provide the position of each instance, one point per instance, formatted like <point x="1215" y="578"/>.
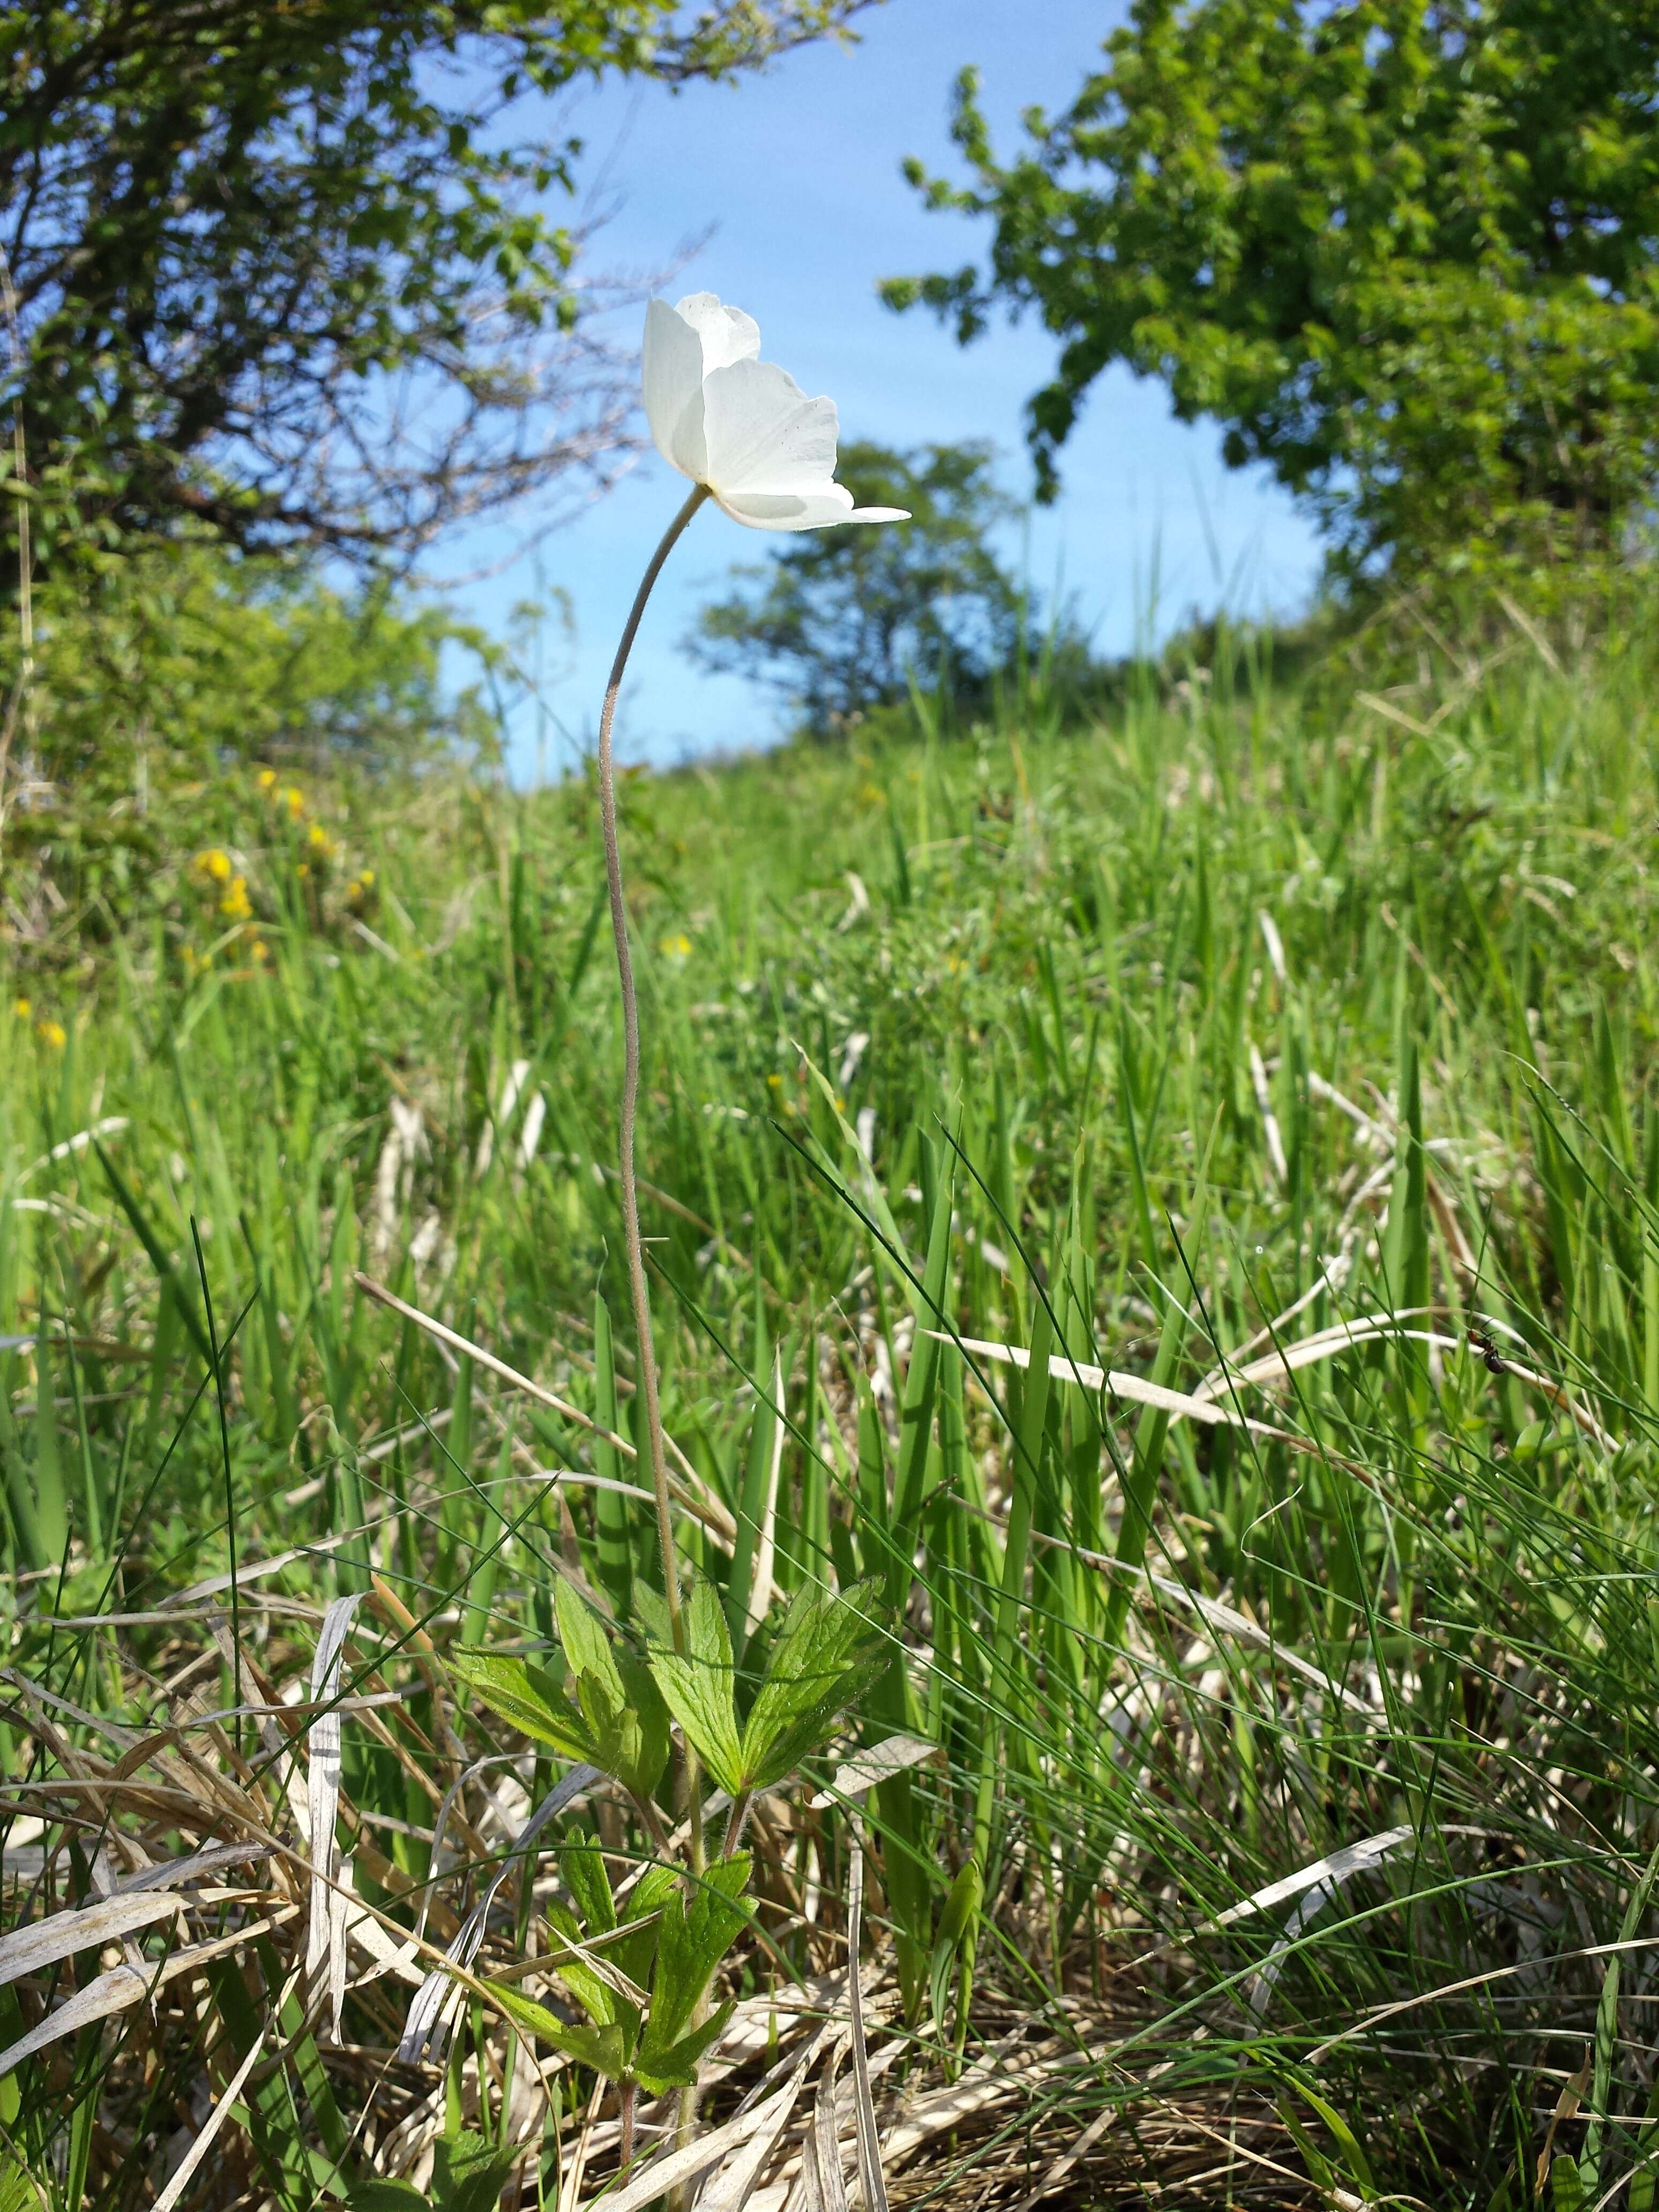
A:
<point x="742" y="426"/>
<point x="688" y="451"/>
<point x="673" y="386"/>
<point x="763" y="434"/>
<point x="726" y="333"/>
<point x="789" y="510"/>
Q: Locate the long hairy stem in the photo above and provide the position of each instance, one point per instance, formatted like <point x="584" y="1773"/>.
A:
<point x="636" y="1283"/>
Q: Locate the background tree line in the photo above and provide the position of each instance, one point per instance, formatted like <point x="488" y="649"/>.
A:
<point x="289" y="285"/>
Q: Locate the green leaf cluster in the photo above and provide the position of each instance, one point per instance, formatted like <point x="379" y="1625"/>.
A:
<point x="614" y="1715"/>
<point x="677" y="1944"/>
<point x="827" y="1651"/>
<point x="1402" y="250"/>
<point x="615" y="1719"/>
<point x="203" y="661"/>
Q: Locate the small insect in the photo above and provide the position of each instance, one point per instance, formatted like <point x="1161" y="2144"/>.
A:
<point x="1481" y="1342"/>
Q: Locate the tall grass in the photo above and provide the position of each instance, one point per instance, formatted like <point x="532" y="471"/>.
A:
<point x="1293" y="1820"/>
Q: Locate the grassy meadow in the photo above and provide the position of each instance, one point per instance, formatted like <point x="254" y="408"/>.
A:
<point x="1289" y="1822"/>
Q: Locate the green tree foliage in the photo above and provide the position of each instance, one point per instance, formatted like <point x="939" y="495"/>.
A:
<point x="290" y="269"/>
<point x="207" y="661"/>
<point x="165" y="668"/>
<point x="838" y="619"/>
<point x="1403" y="249"/>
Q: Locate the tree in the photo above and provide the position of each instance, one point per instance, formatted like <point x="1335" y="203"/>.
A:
<point x="163" y="676"/>
<point x="838" y="619"/>
<point x="201" y="661"/>
<point x="1403" y="250"/>
<point x="284" y="267"/>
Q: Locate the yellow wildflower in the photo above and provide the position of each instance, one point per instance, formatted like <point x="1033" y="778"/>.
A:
<point x="236" y="905"/>
<point x="677" y="947"/>
<point x="213" y="865"/>
<point x="366" y="880"/>
<point x="319" y="841"/>
<point x="52" y="1033"/>
<point x="302" y="870"/>
<point x="294" y="800"/>
<point x="266" y="780"/>
<point x="259" y="951"/>
<point x="23" y="1009"/>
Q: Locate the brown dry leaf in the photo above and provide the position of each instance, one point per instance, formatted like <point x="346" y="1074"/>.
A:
<point x="870" y="2180"/>
<point x="124" y="1986"/>
<point x="892" y="1755"/>
<point x="1006" y="2071"/>
<point x="822" y="2184"/>
<point x="325" y="1930"/>
<point x="215" y="2119"/>
<point x="42" y="1943"/>
<point x="731" y="2187"/>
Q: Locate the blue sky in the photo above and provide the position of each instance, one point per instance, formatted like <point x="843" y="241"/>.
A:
<point x="795" y="178"/>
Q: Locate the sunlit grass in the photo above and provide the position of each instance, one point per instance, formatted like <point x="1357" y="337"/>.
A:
<point x="1158" y="1046"/>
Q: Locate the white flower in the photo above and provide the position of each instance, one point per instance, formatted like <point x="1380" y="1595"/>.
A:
<point x="740" y="425"/>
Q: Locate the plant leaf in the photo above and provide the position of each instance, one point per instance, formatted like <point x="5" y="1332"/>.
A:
<point x="599" y="1707"/>
<point x="691" y="1941"/>
<point x="374" y="2194"/>
<point x="583" y="1869"/>
<point x="469" y="2172"/>
<point x="634" y="1953"/>
<point x="587" y="1646"/>
<point x="697" y="1688"/>
<point x="962" y="1909"/>
<point x="618" y="1723"/>
<point x="676" y="2067"/>
<point x="644" y="1700"/>
<point x="651" y="1611"/>
<point x="527" y="1697"/>
<point x="595" y="1995"/>
<point x="827" y="1652"/>
<point x="627" y="1743"/>
<point x="603" y="2049"/>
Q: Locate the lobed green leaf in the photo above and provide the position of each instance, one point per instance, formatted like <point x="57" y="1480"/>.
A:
<point x="827" y="1652"/>
<point x="698" y="1688"/>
